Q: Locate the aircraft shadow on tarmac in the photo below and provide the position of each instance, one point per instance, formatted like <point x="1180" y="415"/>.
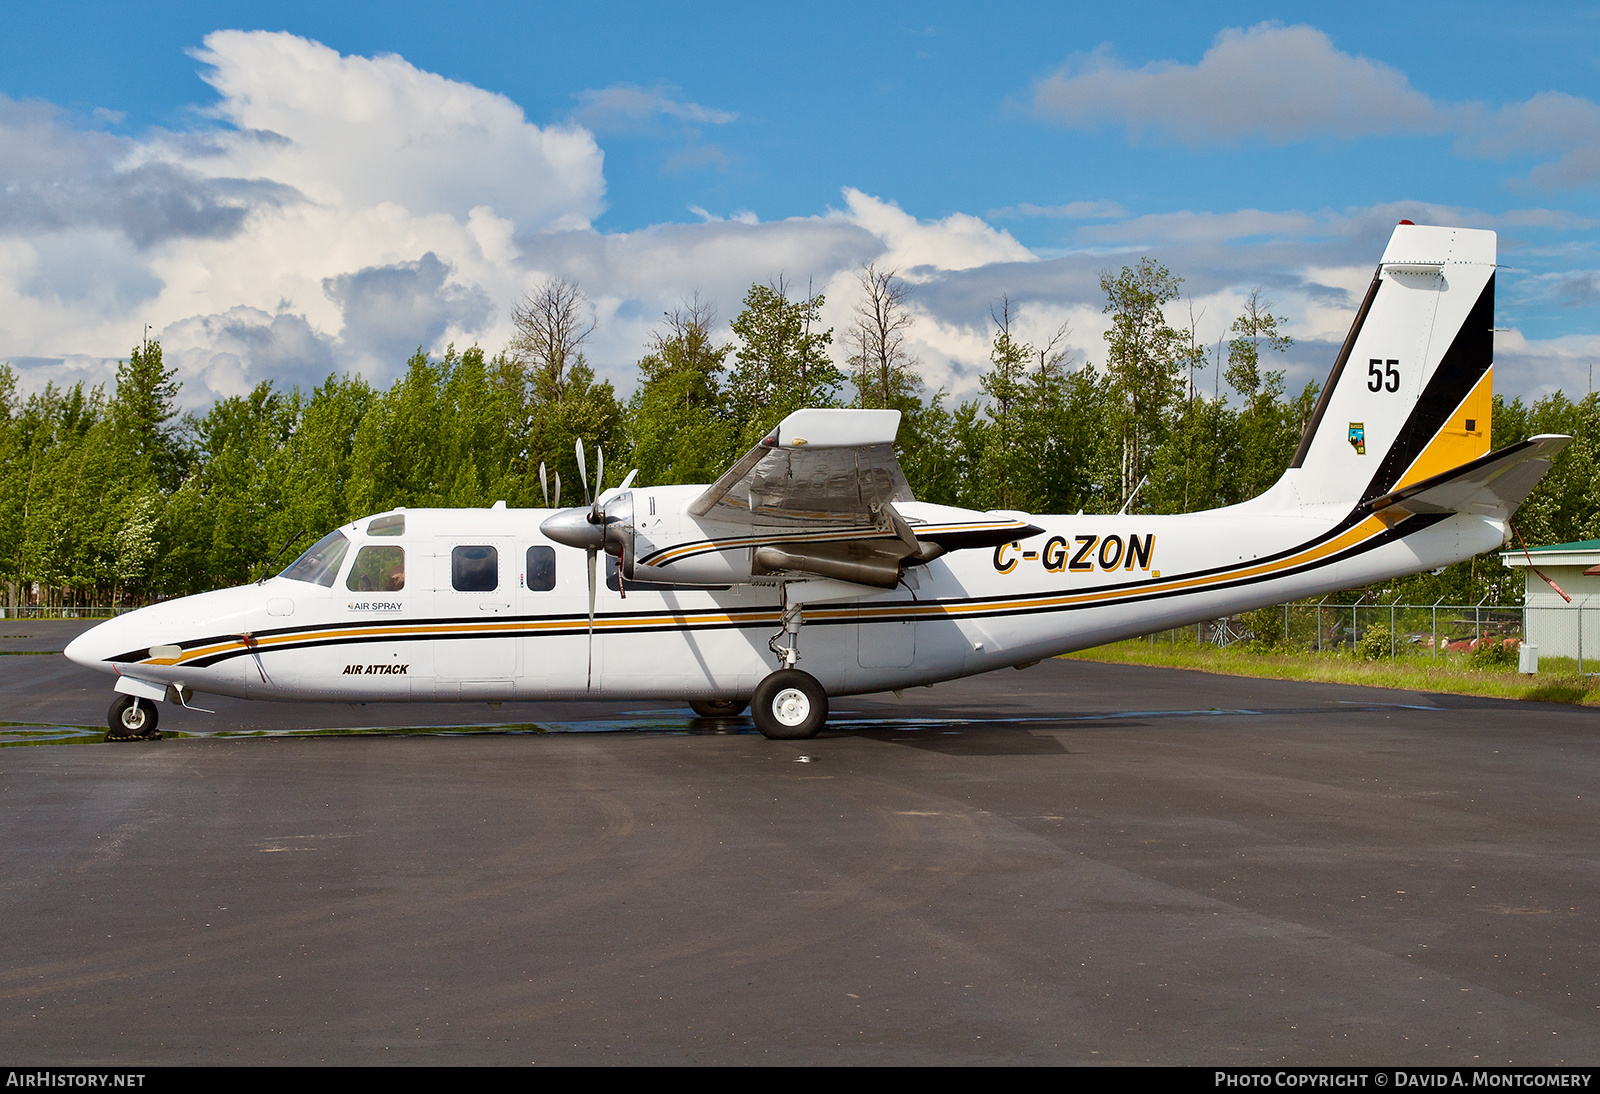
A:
<point x="1016" y="736"/>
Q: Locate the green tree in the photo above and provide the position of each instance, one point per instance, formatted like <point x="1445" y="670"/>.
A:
<point x="676" y="420"/>
<point x="1143" y="361"/>
<point x="782" y="361"/>
<point x="1265" y="426"/>
<point x="142" y="409"/>
<point x="1006" y="458"/>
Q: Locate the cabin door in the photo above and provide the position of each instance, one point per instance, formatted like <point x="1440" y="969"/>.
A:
<point x="475" y="588"/>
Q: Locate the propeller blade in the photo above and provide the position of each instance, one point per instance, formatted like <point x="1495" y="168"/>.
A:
<point x="558" y="490"/>
<point x="628" y="481"/>
<point x="583" y="472"/>
<point x="590" y="685"/>
<point x="544" y="484"/>
<point x="599" y="479"/>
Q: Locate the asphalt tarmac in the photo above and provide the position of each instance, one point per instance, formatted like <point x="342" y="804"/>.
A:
<point x="1076" y="863"/>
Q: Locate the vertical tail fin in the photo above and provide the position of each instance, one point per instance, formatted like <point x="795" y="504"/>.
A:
<point x="1411" y="393"/>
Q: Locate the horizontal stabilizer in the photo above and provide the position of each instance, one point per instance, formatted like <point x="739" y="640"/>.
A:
<point x="1493" y="485"/>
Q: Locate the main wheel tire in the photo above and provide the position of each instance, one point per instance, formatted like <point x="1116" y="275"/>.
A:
<point x="132" y="719"/>
<point x="718" y="708"/>
<point x="789" y="705"/>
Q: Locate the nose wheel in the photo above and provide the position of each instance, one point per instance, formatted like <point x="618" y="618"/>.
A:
<point x="789" y="705"/>
<point x="132" y="719"/>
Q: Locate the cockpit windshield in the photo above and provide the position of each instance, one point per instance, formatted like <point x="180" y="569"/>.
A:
<point x="320" y="565"/>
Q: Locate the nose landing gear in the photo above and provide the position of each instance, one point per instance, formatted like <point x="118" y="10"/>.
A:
<point x="132" y="719"/>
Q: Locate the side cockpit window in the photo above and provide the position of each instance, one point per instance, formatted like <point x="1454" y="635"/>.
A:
<point x="320" y="565"/>
<point x="378" y="570"/>
<point x="475" y="569"/>
<point x="392" y="525"/>
<point x="541" y="569"/>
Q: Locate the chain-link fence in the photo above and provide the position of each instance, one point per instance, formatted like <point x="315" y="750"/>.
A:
<point x="40" y="611"/>
<point x="1374" y="630"/>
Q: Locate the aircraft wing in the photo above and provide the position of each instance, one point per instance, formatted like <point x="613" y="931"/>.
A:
<point x="817" y="497"/>
<point x="1493" y="485"/>
<point x="819" y="467"/>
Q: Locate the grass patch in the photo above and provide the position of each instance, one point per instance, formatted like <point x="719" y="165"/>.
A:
<point x="1409" y="672"/>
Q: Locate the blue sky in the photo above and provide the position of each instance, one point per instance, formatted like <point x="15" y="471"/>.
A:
<point x="342" y="182"/>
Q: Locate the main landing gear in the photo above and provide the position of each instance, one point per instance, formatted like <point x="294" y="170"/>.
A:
<point x="132" y="719"/>
<point x="718" y="708"/>
<point x="789" y="705"/>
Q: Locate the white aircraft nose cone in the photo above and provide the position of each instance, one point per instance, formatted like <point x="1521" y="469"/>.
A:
<point x="89" y="649"/>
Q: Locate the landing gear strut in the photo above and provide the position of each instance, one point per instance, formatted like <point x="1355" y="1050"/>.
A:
<point x="789" y="653"/>
<point x="132" y="719"/>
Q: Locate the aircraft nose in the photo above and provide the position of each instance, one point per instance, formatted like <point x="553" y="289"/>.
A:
<point x="89" y="649"/>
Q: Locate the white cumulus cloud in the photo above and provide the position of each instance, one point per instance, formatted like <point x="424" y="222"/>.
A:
<point x="374" y="203"/>
<point x="1291" y="83"/>
<point x="360" y="131"/>
<point x="1280" y="83"/>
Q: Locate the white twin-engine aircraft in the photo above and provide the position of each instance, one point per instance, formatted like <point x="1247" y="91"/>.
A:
<point x="808" y="570"/>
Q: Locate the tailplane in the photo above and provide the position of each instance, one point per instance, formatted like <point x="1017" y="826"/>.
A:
<point x="1491" y="486"/>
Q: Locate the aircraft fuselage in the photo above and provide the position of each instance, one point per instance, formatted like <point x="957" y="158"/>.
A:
<point x="1081" y="582"/>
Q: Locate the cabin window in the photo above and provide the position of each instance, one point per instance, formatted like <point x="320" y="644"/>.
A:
<point x="378" y="570"/>
<point x="475" y="569"/>
<point x="320" y="564"/>
<point x="541" y="569"/>
<point x="392" y="525"/>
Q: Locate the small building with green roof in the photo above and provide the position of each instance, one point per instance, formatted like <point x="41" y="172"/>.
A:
<point x="1549" y="622"/>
